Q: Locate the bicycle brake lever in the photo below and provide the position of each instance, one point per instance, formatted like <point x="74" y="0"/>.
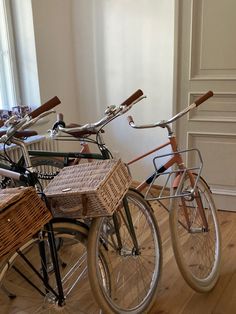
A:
<point x="110" y="109"/>
<point x="11" y="121"/>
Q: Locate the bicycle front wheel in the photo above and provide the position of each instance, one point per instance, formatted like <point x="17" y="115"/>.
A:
<point x="21" y="291"/>
<point x="47" y="168"/>
<point x="134" y="269"/>
<point x="197" y="249"/>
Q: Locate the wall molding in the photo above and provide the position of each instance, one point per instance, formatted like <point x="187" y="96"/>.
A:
<point x="196" y="70"/>
<point x="223" y="189"/>
<point x="213" y="101"/>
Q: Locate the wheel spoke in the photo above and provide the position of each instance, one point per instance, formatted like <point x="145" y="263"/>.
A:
<point x="197" y="250"/>
<point x="134" y="276"/>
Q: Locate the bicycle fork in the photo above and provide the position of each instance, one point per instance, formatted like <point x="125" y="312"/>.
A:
<point x="130" y="227"/>
<point x="193" y="195"/>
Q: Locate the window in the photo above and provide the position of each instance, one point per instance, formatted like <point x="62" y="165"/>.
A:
<point x="8" y="74"/>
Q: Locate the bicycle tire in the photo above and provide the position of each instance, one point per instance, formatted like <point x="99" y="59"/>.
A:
<point x="47" y="168"/>
<point x="71" y="240"/>
<point x="197" y="253"/>
<point x="133" y="278"/>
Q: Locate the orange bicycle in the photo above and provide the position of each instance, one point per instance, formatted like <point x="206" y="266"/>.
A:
<point x="193" y="219"/>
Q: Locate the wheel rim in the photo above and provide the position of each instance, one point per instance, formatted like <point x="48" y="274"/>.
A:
<point x="133" y="277"/>
<point x="197" y="250"/>
<point x="72" y="252"/>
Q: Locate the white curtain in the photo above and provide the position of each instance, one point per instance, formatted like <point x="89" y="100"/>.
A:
<point x="8" y="80"/>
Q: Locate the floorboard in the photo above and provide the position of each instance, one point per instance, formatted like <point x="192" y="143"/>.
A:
<point x="174" y="295"/>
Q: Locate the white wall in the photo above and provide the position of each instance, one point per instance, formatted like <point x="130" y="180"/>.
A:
<point x="94" y="53"/>
<point x="120" y="47"/>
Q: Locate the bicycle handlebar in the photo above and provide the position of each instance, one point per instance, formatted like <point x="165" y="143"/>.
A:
<point x="53" y="102"/>
<point x="111" y="113"/>
<point x="28" y="120"/>
<point x="164" y="123"/>
<point x="135" y="96"/>
<point x="203" y="98"/>
<point x="45" y="107"/>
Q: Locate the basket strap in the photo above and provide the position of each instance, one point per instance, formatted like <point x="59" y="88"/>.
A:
<point x="84" y="204"/>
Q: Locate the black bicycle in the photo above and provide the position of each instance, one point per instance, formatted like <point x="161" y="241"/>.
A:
<point x="124" y="251"/>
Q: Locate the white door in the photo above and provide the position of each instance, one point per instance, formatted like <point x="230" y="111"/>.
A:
<point x="206" y="60"/>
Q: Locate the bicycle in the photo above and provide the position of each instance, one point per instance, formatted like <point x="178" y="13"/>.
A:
<point x="193" y="219"/>
<point x="195" y="188"/>
<point x="118" y="243"/>
<point x="47" y="272"/>
<point x="30" y="270"/>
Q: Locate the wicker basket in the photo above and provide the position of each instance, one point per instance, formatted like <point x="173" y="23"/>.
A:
<point x="88" y="190"/>
<point x="22" y="214"/>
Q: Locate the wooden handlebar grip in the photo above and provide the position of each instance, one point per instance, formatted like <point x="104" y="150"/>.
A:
<point x="132" y="98"/>
<point x="203" y="98"/>
<point x="1" y="123"/>
<point x="45" y="107"/>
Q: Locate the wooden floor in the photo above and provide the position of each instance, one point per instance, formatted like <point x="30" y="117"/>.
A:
<point x="176" y="297"/>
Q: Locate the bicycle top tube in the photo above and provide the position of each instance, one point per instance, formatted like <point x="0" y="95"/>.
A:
<point x="42" y="153"/>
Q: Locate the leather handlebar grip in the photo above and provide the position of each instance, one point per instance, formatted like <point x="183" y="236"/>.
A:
<point x="1" y="123"/>
<point x="45" y="107"/>
<point x="132" y="98"/>
<point x="130" y="119"/>
<point x="203" y="98"/>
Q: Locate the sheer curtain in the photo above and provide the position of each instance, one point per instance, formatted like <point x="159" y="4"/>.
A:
<point x="8" y="75"/>
<point x="121" y="46"/>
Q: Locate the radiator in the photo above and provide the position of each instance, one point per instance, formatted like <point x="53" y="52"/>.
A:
<point x="37" y="142"/>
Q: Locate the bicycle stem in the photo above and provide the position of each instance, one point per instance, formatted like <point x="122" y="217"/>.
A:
<point x="24" y="149"/>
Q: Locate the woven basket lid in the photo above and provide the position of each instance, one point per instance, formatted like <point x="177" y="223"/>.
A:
<point x="11" y="196"/>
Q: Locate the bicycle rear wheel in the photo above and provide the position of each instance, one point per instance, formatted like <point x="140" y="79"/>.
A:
<point x="197" y="250"/>
<point x="134" y="273"/>
<point x="20" y="296"/>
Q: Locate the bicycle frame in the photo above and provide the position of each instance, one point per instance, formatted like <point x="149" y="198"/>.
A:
<point x="70" y="158"/>
<point x="73" y="158"/>
<point x="59" y="295"/>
